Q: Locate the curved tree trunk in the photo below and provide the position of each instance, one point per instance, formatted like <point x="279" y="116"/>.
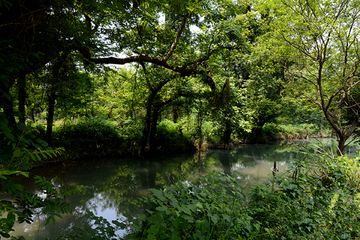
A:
<point x="149" y="114"/>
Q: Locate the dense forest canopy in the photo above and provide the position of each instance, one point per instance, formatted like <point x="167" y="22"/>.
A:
<point x="238" y="64"/>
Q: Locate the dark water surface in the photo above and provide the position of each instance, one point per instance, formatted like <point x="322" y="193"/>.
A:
<point x="114" y="183"/>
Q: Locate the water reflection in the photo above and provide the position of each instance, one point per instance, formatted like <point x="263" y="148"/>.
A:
<point x="115" y="183"/>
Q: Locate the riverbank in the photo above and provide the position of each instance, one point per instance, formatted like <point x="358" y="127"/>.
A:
<point x="94" y="139"/>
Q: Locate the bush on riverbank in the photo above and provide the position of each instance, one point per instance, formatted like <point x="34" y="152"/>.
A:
<point x="87" y="136"/>
<point x="317" y="198"/>
<point x="173" y="136"/>
<point x="100" y="137"/>
<point x="273" y="131"/>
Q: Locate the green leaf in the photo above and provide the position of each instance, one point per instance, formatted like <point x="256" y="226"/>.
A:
<point x="21" y="126"/>
<point x="174" y="203"/>
<point x="47" y="221"/>
<point x="142" y="216"/>
<point x="18" y="153"/>
<point x="163" y="209"/>
<point x="159" y="194"/>
<point x="199" y="206"/>
<point x="185" y="209"/>
<point x="137" y="227"/>
<point x="190" y="219"/>
<point x="227" y="218"/>
<point x="175" y="235"/>
<point x="25" y="166"/>
<point x="119" y="224"/>
<point x="11" y="172"/>
<point x="203" y="225"/>
<point x="154" y="229"/>
<point x="42" y="142"/>
<point x="214" y="219"/>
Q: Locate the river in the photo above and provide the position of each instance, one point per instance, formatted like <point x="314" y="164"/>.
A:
<point x="114" y="183"/>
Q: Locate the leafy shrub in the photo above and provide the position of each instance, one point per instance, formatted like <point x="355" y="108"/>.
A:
<point x="212" y="209"/>
<point x="20" y="144"/>
<point x="87" y="135"/>
<point x="130" y="131"/>
<point x="172" y="134"/>
<point x="169" y="130"/>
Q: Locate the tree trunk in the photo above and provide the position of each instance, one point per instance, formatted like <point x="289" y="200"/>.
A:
<point x="341" y="144"/>
<point x="22" y="97"/>
<point x="228" y="127"/>
<point x="256" y="132"/>
<point x="256" y="135"/>
<point x="6" y="102"/>
<point x="227" y="132"/>
<point x="147" y="125"/>
<point x="148" y="116"/>
<point x="199" y="129"/>
<point x="9" y="110"/>
<point x="52" y="98"/>
<point x="50" y="116"/>
<point x="31" y="114"/>
<point x="175" y="114"/>
<point x="341" y="133"/>
<point x="153" y="130"/>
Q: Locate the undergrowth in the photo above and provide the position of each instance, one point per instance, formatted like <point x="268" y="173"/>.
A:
<point x="293" y="131"/>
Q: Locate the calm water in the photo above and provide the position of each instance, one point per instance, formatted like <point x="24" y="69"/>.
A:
<point x="114" y="183"/>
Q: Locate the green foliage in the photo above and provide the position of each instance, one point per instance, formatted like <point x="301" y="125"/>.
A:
<point x="87" y="136"/>
<point x="317" y="198"/>
<point x="196" y="212"/>
<point x="130" y="131"/>
<point x="314" y="37"/>
<point x="172" y="134"/>
<point x="274" y="131"/>
<point x="20" y="145"/>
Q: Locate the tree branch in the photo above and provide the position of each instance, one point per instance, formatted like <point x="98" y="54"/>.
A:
<point x="176" y="41"/>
